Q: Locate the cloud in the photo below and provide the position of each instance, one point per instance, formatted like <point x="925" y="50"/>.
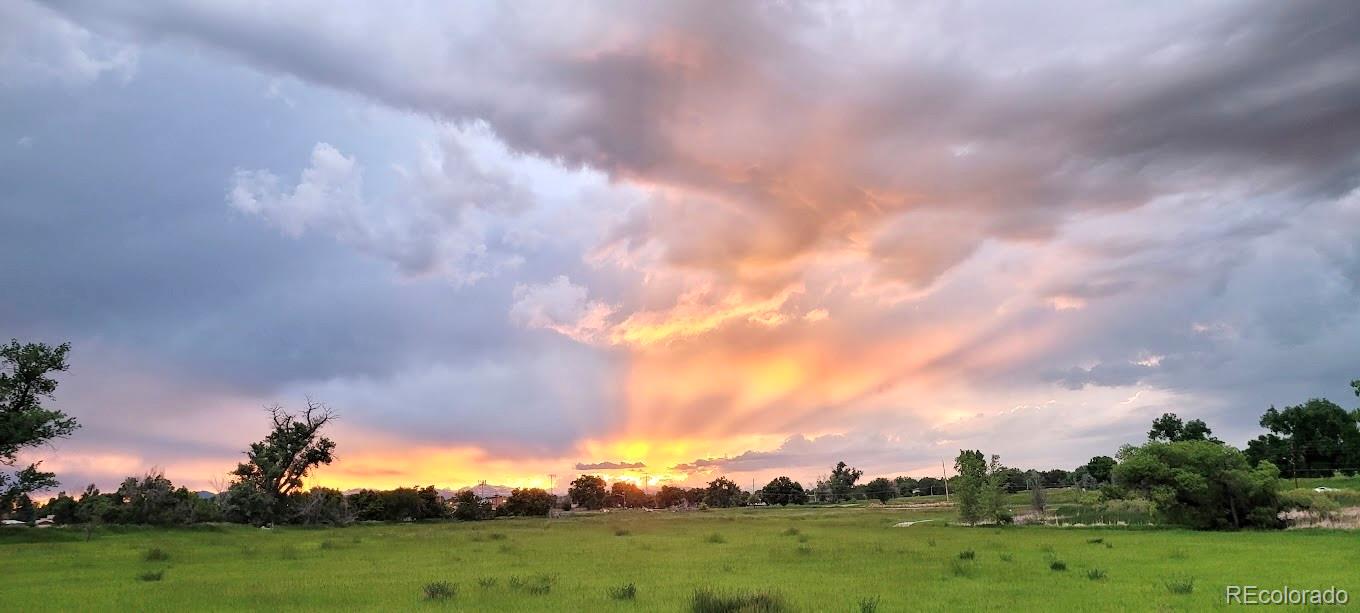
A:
<point x="562" y="307"/>
<point x="38" y="47"/>
<point x="609" y="465"/>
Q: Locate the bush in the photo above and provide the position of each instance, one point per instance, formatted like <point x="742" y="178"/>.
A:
<point x="706" y="600"/>
<point x="439" y="590"/>
<point x="156" y="554"/>
<point x="627" y="591"/>
<point x="152" y="575"/>
<point x="1057" y="565"/>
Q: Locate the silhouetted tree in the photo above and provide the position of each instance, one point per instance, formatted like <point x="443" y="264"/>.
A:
<point x="842" y="481"/>
<point x="880" y="489"/>
<point x="722" y="492"/>
<point x="783" y="491"/>
<point x="529" y="502"/>
<point x="276" y="465"/>
<point x="25" y="382"/>
<point x="588" y="491"/>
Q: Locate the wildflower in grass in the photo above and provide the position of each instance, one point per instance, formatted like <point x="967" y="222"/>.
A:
<point x="439" y="590"/>
<point x="1057" y="565"/>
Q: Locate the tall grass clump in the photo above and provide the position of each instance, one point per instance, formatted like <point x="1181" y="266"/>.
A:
<point x="962" y="568"/>
<point x="1180" y="585"/>
<point x="1057" y="565"/>
<point x="706" y="600"/>
<point x="716" y="538"/>
<point x="537" y="585"/>
<point x="486" y="583"/>
<point x="790" y="531"/>
<point x="967" y="554"/>
<point x="439" y="590"/>
<point x="152" y="575"/>
<point x="156" y="554"/>
<point x="868" y="604"/>
<point x="621" y="532"/>
<point x="627" y="591"/>
<point x="1095" y="574"/>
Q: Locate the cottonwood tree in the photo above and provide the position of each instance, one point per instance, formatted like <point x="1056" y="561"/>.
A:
<point x="971" y="468"/>
<point x="1202" y="484"/>
<point x="1315" y="437"/>
<point x="25" y="382"/>
<point x="275" y="467"/>
<point x="588" y="491"/>
<point x="1169" y="428"/>
<point x="842" y="481"/>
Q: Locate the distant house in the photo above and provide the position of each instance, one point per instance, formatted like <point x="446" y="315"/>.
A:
<point x="496" y="501"/>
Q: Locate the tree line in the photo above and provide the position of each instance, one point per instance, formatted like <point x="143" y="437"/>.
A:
<point x="1191" y="477"/>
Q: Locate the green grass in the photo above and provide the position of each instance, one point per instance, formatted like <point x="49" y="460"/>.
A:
<point x="853" y="560"/>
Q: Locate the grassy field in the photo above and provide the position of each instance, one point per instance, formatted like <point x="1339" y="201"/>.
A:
<point x="815" y="559"/>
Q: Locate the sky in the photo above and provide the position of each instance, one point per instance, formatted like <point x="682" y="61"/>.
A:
<point x="664" y="242"/>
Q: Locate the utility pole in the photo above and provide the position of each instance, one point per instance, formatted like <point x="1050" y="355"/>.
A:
<point x="945" y="474"/>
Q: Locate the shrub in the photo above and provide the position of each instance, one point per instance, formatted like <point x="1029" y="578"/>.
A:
<point x="439" y="590"/>
<point x="707" y="600"/>
<point x="966" y="554"/>
<point x="1057" y="565"/>
<point x="156" y="554"/>
<point x="1180" y="585"/>
<point x="152" y="575"/>
<point x="868" y="604"/>
<point x="627" y="591"/>
<point x="716" y="538"/>
<point x="1095" y="574"/>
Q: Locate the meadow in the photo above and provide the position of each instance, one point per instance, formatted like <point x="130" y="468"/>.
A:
<point x="807" y="559"/>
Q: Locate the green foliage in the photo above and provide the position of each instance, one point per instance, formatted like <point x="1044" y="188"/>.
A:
<point x="962" y="568"/>
<point x="1202" y="484"/>
<point x="25" y="382"/>
<point x="905" y="486"/>
<point x="536" y="585"/>
<point x="1096" y="574"/>
<point x="439" y="590"/>
<point x="842" y="481"/>
<point x="1099" y="468"/>
<point x="868" y="604"/>
<point x="881" y="489"/>
<point x="967" y="554"/>
<point x="588" y="491"/>
<point x="625" y="495"/>
<point x="716" y="538"/>
<point x="528" y="502"/>
<point x="783" y="491"/>
<point x="627" y="591"/>
<point x="467" y="506"/>
<point x="722" y="492"/>
<point x="708" y="600"/>
<point x="1057" y="565"/>
<point x="1169" y="429"/>
<point x="155" y="554"/>
<point x="972" y="478"/>
<point x="321" y="505"/>
<point x="1312" y="438"/>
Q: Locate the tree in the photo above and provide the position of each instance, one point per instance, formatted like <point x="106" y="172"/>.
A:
<point x="905" y="486"/>
<point x="1037" y="496"/>
<point x="1169" y="428"/>
<point x="881" y="489"/>
<point x="972" y="478"/>
<point x="154" y="500"/>
<point x="468" y="507"/>
<point x="625" y="495"/>
<point x="25" y="382"/>
<point x="930" y="485"/>
<point x="321" y="505"/>
<point x="1202" y="484"/>
<point x="722" y="492"/>
<point x="670" y="496"/>
<point x="783" y="491"/>
<point x="1317" y="436"/>
<point x="1099" y="468"/>
<point x="842" y="481"/>
<point x="529" y="502"/>
<point x="588" y="491"/>
<point x="276" y="465"/>
<point x="994" y="491"/>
